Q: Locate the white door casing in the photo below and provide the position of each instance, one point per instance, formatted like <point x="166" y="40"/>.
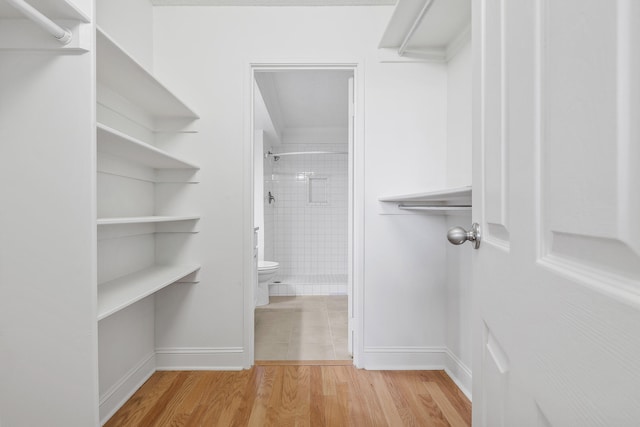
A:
<point x="557" y="193"/>
<point x="350" y="221"/>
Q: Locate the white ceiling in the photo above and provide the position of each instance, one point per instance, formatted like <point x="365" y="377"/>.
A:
<point x="273" y="2"/>
<point x="306" y="99"/>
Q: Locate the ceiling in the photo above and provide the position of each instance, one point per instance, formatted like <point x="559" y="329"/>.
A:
<point x="273" y="2"/>
<point x="299" y="100"/>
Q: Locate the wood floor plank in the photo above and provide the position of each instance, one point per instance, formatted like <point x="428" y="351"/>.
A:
<point x="450" y="413"/>
<point x="243" y="412"/>
<point x="233" y="398"/>
<point x="317" y="416"/>
<point x="302" y="402"/>
<point x="336" y="398"/>
<point x="263" y="391"/>
<point x="213" y="404"/>
<point x="457" y="398"/>
<point x="296" y="395"/>
<point x="389" y="409"/>
<point x="177" y="405"/>
<point x="156" y="412"/>
<point x="429" y="405"/>
<point x="143" y="400"/>
<point x="271" y="417"/>
<point x="371" y="411"/>
<point x="406" y="411"/>
<point x="304" y="363"/>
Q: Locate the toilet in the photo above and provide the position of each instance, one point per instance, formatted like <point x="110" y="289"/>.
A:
<point x="266" y="271"/>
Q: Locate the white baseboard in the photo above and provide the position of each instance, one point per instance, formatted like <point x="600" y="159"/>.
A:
<point x="419" y="358"/>
<point x="201" y="358"/>
<point x="404" y="358"/>
<point x="459" y="373"/>
<point x="122" y="390"/>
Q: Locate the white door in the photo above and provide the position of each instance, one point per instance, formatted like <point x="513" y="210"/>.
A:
<point x="557" y="194"/>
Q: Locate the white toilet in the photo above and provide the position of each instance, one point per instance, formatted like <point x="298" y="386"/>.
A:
<point x="266" y="271"/>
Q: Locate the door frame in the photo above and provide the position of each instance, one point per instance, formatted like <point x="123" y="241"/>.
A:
<point x="356" y="202"/>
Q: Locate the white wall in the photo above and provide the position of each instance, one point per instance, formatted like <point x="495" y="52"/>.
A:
<point x="205" y="53"/>
<point x="130" y="24"/>
<point x="404" y="274"/>
<point x="459" y="119"/>
<point x="459" y="279"/>
<point x="459" y="292"/>
<point x="48" y="332"/>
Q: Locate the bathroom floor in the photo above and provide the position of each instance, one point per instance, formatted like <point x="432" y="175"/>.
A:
<point x="302" y="328"/>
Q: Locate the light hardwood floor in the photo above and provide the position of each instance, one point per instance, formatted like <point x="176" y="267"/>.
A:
<point x="296" y="394"/>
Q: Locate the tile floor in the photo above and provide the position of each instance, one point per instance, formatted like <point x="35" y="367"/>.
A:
<point x="302" y="328"/>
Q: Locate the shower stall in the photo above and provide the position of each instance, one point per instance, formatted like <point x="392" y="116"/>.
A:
<point x="306" y="217"/>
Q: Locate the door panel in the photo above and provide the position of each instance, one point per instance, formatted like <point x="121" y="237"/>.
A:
<point x="495" y="147"/>
<point x="557" y="193"/>
<point x="590" y="189"/>
<point x="495" y="371"/>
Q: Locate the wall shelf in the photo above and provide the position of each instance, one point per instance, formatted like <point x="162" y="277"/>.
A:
<point x="434" y="208"/>
<point x="458" y="195"/>
<point x="145" y="219"/>
<point x="53" y="9"/>
<point x="120" y="293"/>
<point x="438" y="201"/>
<point x="117" y="70"/>
<point x="430" y="29"/>
<point x="116" y="143"/>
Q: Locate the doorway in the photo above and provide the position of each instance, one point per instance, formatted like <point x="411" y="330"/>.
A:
<point x="303" y="206"/>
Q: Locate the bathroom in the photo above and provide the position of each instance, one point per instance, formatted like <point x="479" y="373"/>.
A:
<point x="302" y="206"/>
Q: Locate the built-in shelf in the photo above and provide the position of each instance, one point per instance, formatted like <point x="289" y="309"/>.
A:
<point x="434" y="208"/>
<point x="144" y="219"/>
<point x="52" y="9"/>
<point x="432" y="29"/>
<point x="120" y="293"/>
<point x="117" y="70"/>
<point x="458" y="195"/>
<point x="437" y="201"/>
<point x="116" y="143"/>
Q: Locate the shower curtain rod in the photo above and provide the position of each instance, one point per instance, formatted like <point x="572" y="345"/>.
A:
<point x="276" y="156"/>
<point x="62" y="35"/>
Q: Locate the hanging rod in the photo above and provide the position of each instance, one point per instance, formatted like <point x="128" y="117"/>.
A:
<point x="276" y="156"/>
<point x="61" y="34"/>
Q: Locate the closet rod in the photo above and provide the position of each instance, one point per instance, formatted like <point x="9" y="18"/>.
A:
<point x="277" y="156"/>
<point x="62" y="35"/>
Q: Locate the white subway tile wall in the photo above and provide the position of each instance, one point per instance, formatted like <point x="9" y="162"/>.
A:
<point x="269" y="240"/>
<point x="305" y="234"/>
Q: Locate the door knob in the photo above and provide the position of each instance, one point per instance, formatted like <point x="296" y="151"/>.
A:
<point x="458" y="235"/>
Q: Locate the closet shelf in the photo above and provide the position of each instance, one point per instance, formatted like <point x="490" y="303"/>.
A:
<point x="116" y="143"/>
<point x="52" y="9"/>
<point x="120" y="293"/>
<point x="428" y="28"/>
<point x="457" y="196"/>
<point x="145" y="219"/>
<point x="117" y="70"/>
<point x="434" y="208"/>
